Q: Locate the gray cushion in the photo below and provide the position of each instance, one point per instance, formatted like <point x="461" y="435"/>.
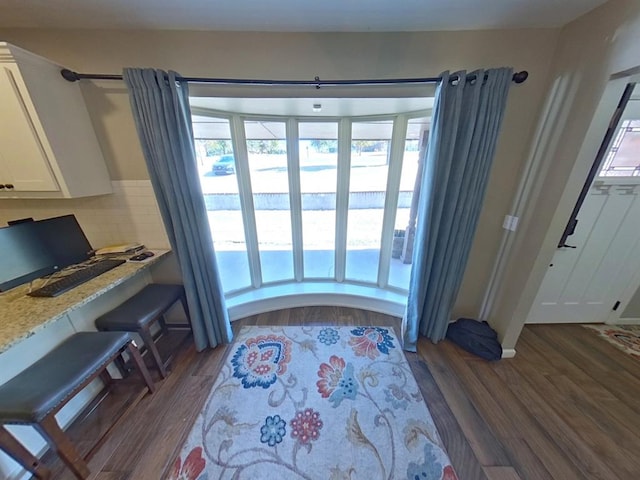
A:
<point x="36" y="391"/>
<point x="144" y="307"/>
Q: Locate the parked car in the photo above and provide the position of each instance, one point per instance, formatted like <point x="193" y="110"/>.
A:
<point x="225" y="165"/>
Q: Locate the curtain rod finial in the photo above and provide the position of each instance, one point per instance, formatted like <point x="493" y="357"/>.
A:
<point x="69" y="76"/>
<point x="520" y="77"/>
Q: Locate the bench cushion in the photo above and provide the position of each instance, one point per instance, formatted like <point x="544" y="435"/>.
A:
<point x="144" y="307"/>
<point x="36" y="391"/>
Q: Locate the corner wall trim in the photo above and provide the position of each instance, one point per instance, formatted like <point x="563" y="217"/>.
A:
<point x="545" y="142"/>
<point x="508" y="352"/>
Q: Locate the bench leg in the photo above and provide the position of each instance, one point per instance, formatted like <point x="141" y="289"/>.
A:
<point x="15" y="450"/>
<point x="106" y="378"/>
<point x="163" y="325"/>
<point x="121" y="365"/>
<point x="51" y="431"/>
<point x="147" y="338"/>
<point x="142" y="368"/>
<point x="183" y="300"/>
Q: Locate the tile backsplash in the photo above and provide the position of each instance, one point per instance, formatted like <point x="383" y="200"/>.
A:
<point x="129" y="214"/>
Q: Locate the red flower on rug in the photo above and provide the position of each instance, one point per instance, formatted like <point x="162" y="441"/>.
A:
<point x="627" y="340"/>
<point x="330" y="375"/>
<point x="337" y="381"/>
<point x="370" y="342"/>
<point x="193" y="466"/>
<point x="306" y="425"/>
<point x="449" y="473"/>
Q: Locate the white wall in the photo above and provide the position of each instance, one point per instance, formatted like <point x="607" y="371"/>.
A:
<point x="128" y="215"/>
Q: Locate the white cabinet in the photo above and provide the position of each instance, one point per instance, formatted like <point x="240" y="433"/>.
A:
<point x="48" y="148"/>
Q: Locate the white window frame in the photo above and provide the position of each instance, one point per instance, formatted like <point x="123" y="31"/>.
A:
<point x="397" y="146"/>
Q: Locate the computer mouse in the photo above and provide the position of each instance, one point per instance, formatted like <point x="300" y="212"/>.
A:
<point x="142" y="256"/>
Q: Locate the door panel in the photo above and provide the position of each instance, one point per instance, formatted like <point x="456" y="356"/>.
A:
<point x="581" y="284"/>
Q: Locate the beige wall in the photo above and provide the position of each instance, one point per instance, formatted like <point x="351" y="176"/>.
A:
<point x="603" y="42"/>
<point x="303" y="56"/>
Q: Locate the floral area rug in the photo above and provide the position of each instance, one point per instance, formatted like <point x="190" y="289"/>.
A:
<point x="325" y="403"/>
<point x="625" y="337"/>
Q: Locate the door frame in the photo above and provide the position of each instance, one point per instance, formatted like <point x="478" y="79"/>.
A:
<point x="592" y="141"/>
<point x="624" y="299"/>
<point x="560" y="101"/>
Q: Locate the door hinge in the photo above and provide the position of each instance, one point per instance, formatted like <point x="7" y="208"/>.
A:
<point x="615" y="307"/>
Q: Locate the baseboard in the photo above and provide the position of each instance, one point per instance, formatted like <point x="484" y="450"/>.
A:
<point x="624" y="321"/>
<point x="508" y="352"/>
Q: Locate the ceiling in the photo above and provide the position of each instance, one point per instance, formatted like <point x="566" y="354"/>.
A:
<point x="303" y="107"/>
<point x="292" y="15"/>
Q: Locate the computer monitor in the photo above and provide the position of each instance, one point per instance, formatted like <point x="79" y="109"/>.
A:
<point x="64" y="240"/>
<point x="24" y="256"/>
<point x="19" y="221"/>
<point x="31" y="250"/>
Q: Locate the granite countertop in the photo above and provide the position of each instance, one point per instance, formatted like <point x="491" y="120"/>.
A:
<point x="22" y="316"/>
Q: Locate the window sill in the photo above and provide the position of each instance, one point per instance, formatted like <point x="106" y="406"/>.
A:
<point x="292" y="295"/>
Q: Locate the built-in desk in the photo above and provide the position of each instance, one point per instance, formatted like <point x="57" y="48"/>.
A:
<point x="22" y="316"/>
<point x="30" y="327"/>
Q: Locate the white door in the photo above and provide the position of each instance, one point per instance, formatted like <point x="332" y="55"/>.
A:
<point x="583" y="284"/>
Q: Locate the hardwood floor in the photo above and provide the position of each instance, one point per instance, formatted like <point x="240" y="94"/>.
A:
<point x="566" y="407"/>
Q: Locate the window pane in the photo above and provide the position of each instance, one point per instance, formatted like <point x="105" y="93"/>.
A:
<point x="318" y="179"/>
<point x="267" y="149"/>
<point x="623" y="157"/>
<point x="216" y="166"/>
<point x="370" y="142"/>
<point x="400" y="268"/>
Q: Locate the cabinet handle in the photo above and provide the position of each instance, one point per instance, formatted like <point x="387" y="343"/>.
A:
<point x="9" y="185"/>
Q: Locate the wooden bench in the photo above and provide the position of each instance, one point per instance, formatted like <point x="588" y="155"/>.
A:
<point x="140" y="312"/>
<point x="35" y="395"/>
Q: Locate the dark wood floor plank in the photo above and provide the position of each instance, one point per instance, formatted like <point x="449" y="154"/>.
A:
<point x="605" y="405"/>
<point x="169" y="435"/>
<point x="158" y="407"/>
<point x="603" y="351"/>
<point x="487" y="449"/>
<point x="571" y="434"/>
<point x="113" y="476"/>
<point x="453" y="437"/>
<point x="608" y="434"/>
<point x="501" y="473"/>
<point x="511" y="420"/>
<point x="594" y="364"/>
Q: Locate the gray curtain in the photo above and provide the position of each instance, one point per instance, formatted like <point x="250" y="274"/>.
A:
<point x="160" y="106"/>
<point x="466" y="121"/>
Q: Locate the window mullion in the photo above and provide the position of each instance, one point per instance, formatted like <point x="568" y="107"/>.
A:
<point x="398" y="138"/>
<point x="241" y="154"/>
<point x="295" y="197"/>
<point x="342" y="196"/>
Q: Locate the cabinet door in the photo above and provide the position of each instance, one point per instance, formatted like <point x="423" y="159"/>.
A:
<point x="24" y="159"/>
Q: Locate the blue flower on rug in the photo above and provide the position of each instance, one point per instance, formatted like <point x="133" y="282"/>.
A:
<point x="328" y="336"/>
<point x="260" y="360"/>
<point x="273" y="430"/>
<point x="397" y="397"/>
<point x="336" y="381"/>
<point x="371" y="341"/>
<point x="430" y="469"/>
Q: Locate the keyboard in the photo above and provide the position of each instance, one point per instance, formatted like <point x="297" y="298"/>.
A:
<point x="76" y="278"/>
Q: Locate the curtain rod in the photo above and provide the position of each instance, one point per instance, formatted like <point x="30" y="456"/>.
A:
<point x="71" y="76"/>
